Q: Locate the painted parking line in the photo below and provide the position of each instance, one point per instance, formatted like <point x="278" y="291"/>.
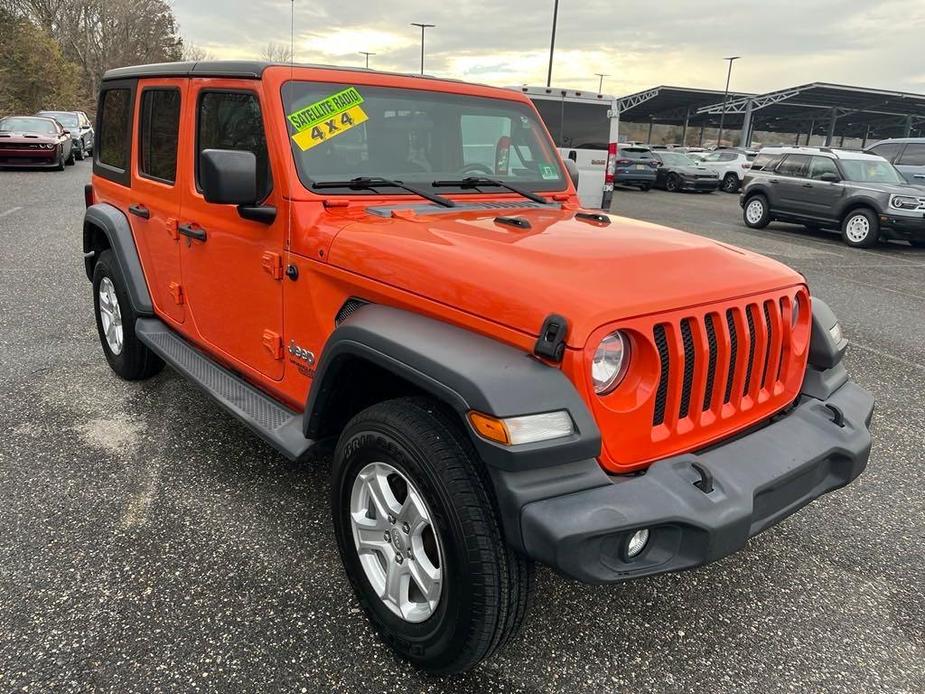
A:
<point x="9" y="211"/>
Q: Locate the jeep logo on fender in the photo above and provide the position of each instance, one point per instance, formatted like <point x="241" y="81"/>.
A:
<point x="301" y="353"/>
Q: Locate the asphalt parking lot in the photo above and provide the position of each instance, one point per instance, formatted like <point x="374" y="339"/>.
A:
<point x="148" y="543"/>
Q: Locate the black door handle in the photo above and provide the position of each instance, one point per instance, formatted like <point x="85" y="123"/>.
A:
<point x="192" y="232"/>
<point x="774" y="180"/>
<point x="807" y="185"/>
<point x="140" y="211"/>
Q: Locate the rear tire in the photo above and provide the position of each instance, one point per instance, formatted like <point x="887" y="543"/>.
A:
<point x="756" y="213"/>
<point x="115" y="322"/>
<point x="730" y="183"/>
<point x="418" y="456"/>
<point x="860" y="228"/>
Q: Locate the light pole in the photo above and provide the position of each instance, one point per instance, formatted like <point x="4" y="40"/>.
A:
<point x="600" y="84"/>
<point x="367" y="54"/>
<point x="552" y="42"/>
<point x="423" y="27"/>
<point x="722" y="116"/>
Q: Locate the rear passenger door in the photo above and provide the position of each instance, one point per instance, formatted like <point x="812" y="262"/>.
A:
<point x="154" y="206"/>
<point x="787" y="184"/>
<point x="232" y="275"/>
<point x="911" y="163"/>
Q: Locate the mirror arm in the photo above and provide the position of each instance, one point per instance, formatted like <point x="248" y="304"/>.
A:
<point x="265" y="214"/>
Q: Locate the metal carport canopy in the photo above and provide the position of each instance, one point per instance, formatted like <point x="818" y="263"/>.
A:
<point x="834" y="109"/>
<point x="671" y="105"/>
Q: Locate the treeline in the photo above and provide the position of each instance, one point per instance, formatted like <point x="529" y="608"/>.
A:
<point x="53" y="53"/>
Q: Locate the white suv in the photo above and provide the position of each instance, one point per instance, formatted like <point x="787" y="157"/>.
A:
<point x="730" y="164"/>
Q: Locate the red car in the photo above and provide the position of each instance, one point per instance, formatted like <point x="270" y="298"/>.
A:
<point x="31" y="141"/>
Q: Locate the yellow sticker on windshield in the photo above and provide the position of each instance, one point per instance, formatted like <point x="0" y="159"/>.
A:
<point x="322" y="120"/>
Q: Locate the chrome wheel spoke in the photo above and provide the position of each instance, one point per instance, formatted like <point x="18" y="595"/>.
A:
<point x="110" y="316"/>
<point x="427" y="577"/>
<point x="412" y="513"/>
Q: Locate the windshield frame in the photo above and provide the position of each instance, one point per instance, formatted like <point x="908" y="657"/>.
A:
<point x="560" y="185"/>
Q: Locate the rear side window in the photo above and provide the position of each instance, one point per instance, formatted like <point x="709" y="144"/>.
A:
<point x="821" y="166"/>
<point x="766" y="162"/>
<point x="115" y="144"/>
<point x="887" y="150"/>
<point x="794" y="165"/>
<point x="232" y="120"/>
<point x="160" y="129"/>
<point x="913" y="155"/>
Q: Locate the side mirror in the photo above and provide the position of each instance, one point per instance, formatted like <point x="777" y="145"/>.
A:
<point x="67" y="132"/>
<point x="830" y="177"/>
<point x="228" y="177"/>
<point x="572" y="169"/>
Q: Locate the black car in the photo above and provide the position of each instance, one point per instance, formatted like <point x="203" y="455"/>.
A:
<point x="80" y="128"/>
<point x="863" y="195"/>
<point x="677" y="172"/>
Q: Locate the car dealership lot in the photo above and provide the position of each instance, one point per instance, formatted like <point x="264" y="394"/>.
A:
<point x="148" y="542"/>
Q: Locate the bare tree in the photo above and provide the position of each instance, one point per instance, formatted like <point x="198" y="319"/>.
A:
<point x="276" y="53"/>
<point x="193" y="53"/>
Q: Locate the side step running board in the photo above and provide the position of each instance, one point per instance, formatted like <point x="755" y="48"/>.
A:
<point x="275" y="424"/>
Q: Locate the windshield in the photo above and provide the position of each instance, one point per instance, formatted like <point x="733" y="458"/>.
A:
<point x="675" y="159"/>
<point x="339" y="132"/>
<point x="871" y="171"/>
<point x="68" y="120"/>
<point x="42" y="126"/>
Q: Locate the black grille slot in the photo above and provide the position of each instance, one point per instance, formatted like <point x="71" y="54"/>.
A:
<point x="769" y="329"/>
<point x="751" y="349"/>
<point x="688" y="340"/>
<point x="661" y="394"/>
<point x="350" y="307"/>
<point x="711" y="371"/>
<point x="784" y="315"/>
<point x="733" y="354"/>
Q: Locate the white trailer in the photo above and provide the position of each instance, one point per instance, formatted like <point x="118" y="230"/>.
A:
<point x="583" y="125"/>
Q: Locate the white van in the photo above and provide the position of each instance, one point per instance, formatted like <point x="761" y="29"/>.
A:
<point x="583" y="124"/>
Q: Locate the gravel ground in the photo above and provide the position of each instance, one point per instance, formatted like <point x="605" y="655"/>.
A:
<point x="148" y="543"/>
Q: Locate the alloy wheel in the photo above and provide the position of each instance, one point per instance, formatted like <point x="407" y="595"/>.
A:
<point x="857" y="228"/>
<point x="754" y="211"/>
<point x="111" y="316"/>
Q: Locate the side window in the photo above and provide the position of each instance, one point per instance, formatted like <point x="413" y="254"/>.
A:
<point x="551" y="113"/>
<point x="232" y="120"/>
<point x="728" y="156"/>
<point x="115" y="143"/>
<point x="913" y="155"/>
<point x="765" y="162"/>
<point x="821" y="166"/>
<point x="796" y="165"/>
<point x="160" y="130"/>
<point x="888" y="150"/>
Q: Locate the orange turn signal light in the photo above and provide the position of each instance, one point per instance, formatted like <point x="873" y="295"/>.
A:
<point x="490" y="428"/>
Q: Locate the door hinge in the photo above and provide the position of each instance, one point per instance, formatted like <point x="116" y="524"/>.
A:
<point x="176" y="291"/>
<point x="273" y="343"/>
<point x="273" y="264"/>
<point x="172" y="225"/>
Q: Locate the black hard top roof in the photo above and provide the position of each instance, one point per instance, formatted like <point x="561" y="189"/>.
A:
<point x="242" y="69"/>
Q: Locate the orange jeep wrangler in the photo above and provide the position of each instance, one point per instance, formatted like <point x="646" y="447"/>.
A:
<point x="399" y="266"/>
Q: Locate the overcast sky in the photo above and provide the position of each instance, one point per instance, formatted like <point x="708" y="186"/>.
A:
<point x="873" y="43"/>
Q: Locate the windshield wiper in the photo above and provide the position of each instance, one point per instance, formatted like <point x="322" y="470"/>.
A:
<point x="478" y="182"/>
<point x="370" y="183"/>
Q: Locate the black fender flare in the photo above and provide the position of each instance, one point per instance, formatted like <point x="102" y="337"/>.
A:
<point x="850" y="203"/>
<point x="466" y="371"/>
<point x="113" y="223"/>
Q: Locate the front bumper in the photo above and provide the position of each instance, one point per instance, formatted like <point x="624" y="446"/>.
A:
<point x="904" y="226"/>
<point x="31" y="158"/>
<point x="758" y="479"/>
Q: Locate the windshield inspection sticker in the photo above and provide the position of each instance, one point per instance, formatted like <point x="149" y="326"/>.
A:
<point x="327" y="118"/>
<point x="548" y="172"/>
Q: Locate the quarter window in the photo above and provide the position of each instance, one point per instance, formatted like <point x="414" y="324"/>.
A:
<point x="160" y="128"/>
<point x="232" y="120"/>
<point x="888" y="150"/>
<point x="115" y="128"/>
<point x="765" y="162"/>
<point x="914" y="155"/>
<point x="796" y="165"/>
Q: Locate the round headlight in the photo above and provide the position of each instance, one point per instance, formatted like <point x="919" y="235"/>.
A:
<point x="610" y="361"/>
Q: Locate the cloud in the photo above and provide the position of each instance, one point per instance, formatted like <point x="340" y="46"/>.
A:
<point x="783" y="42"/>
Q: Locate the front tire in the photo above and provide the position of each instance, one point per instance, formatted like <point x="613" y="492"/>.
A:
<point x="730" y="183"/>
<point x="80" y="153"/>
<point x="115" y="322"/>
<point x="673" y="183"/>
<point x="420" y="538"/>
<point x="60" y="165"/>
<point x="860" y="229"/>
<point x="70" y="157"/>
<point x="756" y="213"/>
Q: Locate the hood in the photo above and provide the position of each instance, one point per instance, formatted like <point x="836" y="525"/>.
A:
<point x="589" y="273"/>
<point x="891" y="188"/>
<point x="32" y="138"/>
<point x="693" y="171"/>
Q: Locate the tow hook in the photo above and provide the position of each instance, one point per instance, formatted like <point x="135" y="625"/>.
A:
<point x="705" y="483"/>
<point x="837" y="415"/>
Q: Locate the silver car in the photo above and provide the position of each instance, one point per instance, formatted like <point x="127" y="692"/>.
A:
<point x="907" y="154"/>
